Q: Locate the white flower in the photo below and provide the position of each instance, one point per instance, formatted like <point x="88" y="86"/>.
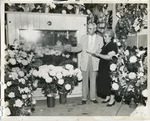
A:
<point x="64" y="12"/>
<point x="80" y="77"/>
<point x="69" y="66"/>
<point x="33" y="101"/>
<point x="21" y="73"/>
<point x="141" y="74"/>
<point x="11" y="53"/>
<point x="13" y="75"/>
<point x="121" y="68"/>
<point x="115" y="40"/>
<point x="22" y="80"/>
<point x="60" y="81"/>
<point x="51" y="67"/>
<point x="67" y="86"/>
<point x="26" y="89"/>
<point x="115" y="86"/>
<point x="29" y="95"/>
<point x="59" y="75"/>
<point x="24" y="62"/>
<point x="35" y="73"/>
<point x="75" y="60"/>
<point x="52" y="73"/>
<point x="49" y="80"/>
<point x="132" y="75"/>
<point x="141" y="53"/>
<point x="113" y="67"/>
<point x="67" y="56"/>
<point x="23" y="54"/>
<point x="118" y="43"/>
<point x="77" y="71"/>
<point x="69" y="7"/>
<point x="126" y="52"/>
<point x="145" y="93"/>
<point x="12" y="61"/>
<point x="11" y="94"/>
<point x="9" y="83"/>
<point x="65" y="73"/>
<point x="133" y="59"/>
<point x="6" y="111"/>
<point x="24" y="96"/>
<point x="16" y="69"/>
<point x="18" y="103"/>
<point x="88" y="11"/>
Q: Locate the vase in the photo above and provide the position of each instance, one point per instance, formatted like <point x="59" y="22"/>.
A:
<point x="132" y="104"/>
<point x="50" y="101"/>
<point x="63" y="98"/>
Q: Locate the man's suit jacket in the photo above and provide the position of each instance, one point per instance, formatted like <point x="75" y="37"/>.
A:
<point x="85" y="56"/>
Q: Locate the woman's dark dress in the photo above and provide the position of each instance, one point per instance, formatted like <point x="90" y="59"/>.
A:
<point x="103" y="78"/>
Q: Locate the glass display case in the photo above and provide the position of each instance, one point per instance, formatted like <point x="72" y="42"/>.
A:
<point x="53" y="40"/>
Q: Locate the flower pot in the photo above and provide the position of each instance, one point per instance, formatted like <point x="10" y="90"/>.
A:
<point x="63" y="98"/>
<point x="132" y="104"/>
<point x="50" y="102"/>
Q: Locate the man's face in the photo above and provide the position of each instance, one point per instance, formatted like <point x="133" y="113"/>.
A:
<point x="91" y="29"/>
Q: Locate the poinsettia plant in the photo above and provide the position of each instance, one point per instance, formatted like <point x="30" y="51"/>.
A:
<point x="127" y="73"/>
<point x="19" y="84"/>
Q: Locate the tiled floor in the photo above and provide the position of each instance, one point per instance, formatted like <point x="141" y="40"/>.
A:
<point x="74" y="108"/>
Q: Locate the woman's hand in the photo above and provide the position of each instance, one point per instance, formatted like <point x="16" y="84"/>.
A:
<point x="97" y="54"/>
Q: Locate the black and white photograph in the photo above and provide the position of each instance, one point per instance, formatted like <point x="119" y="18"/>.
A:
<point x="75" y="58"/>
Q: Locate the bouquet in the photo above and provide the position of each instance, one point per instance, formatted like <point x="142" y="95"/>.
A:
<point x="48" y="84"/>
<point x="48" y="55"/>
<point x="19" y="84"/>
<point x="58" y="78"/>
<point x="127" y="73"/>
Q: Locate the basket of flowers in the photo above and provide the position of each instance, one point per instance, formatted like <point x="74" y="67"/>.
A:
<point x="128" y="76"/>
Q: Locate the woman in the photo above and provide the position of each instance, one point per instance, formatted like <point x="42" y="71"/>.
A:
<point x="103" y="78"/>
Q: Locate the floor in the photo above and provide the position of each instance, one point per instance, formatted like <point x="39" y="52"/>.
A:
<point x="75" y="108"/>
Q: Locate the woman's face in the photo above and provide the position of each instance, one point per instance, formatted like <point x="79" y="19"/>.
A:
<point x="107" y="38"/>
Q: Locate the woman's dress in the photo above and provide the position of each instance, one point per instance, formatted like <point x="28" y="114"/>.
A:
<point x="103" y="78"/>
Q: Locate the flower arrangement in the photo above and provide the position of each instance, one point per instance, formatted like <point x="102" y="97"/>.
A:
<point x="19" y="84"/>
<point x="48" y="55"/>
<point x="131" y="19"/>
<point x="127" y="73"/>
<point x="58" y="78"/>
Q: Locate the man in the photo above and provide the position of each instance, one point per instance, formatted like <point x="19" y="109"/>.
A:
<point x="89" y="64"/>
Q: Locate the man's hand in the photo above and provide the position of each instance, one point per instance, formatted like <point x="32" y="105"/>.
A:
<point x="67" y="47"/>
<point x="90" y="52"/>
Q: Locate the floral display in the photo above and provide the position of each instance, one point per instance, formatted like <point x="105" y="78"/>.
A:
<point x="131" y="18"/>
<point x="48" y="55"/>
<point x="61" y="79"/>
<point x="18" y="79"/>
<point x="127" y="73"/>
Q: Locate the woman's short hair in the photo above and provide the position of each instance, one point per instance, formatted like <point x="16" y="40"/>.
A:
<point x="109" y="32"/>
